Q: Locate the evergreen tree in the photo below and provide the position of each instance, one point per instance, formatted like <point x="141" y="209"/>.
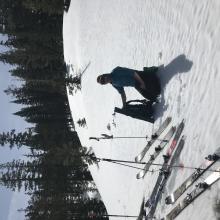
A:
<point x="57" y="175"/>
<point x="14" y="139"/>
<point x="82" y="122"/>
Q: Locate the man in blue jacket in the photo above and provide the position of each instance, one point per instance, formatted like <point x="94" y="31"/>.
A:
<point x="146" y="82"/>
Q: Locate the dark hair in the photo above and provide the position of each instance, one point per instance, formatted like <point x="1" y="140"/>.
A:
<point x="101" y="78"/>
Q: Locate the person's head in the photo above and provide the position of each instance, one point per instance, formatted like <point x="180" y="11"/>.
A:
<point x="104" y="79"/>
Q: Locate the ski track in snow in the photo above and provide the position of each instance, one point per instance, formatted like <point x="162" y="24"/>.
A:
<point x="183" y="37"/>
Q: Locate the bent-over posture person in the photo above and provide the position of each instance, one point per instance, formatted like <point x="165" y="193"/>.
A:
<point x="146" y="81"/>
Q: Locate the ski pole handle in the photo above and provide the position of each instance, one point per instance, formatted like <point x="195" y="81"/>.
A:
<point x="94" y="138"/>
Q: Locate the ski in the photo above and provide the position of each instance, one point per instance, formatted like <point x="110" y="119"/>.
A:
<point x="199" y="189"/>
<point x="160" y="130"/>
<point x="157" y="151"/>
<point x="151" y="202"/>
<point x="172" y="146"/>
<point x="165" y="175"/>
<point x="175" y="139"/>
<point x="209" y="161"/>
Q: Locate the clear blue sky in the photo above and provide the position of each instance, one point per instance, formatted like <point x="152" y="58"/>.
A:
<point x="9" y="201"/>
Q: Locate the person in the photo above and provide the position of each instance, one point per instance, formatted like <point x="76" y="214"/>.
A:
<point x="146" y="82"/>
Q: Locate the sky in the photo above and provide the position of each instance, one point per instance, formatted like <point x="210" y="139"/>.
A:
<point x="9" y="201"/>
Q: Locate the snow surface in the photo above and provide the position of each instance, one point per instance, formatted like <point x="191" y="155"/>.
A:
<point x="183" y="37"/>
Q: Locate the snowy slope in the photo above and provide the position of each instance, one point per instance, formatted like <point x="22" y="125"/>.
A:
<point x="183" y="36"/>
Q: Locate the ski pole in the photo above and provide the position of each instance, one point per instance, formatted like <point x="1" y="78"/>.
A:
<point x="126" y="216"/>
<point x="105" y="136"/>
<point x="94" y="216"/>
<point x="156" y="164"/>
<point x="121" y="216"/>
<point x="138" y="168"/>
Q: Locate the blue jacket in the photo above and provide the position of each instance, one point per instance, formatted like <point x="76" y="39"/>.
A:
<point x="122" y="77"/>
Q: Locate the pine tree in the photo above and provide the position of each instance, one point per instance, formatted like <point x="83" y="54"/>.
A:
<point x="57" y="176"/>
<point x="12" y="139"/>
<point x="82" y="122"/>
<point x="17" y="174"/>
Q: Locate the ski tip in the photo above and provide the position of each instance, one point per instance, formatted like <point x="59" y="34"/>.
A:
<point x="182" y="123"/>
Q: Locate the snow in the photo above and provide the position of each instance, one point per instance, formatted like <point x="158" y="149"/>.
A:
<point x="180" y="36"/>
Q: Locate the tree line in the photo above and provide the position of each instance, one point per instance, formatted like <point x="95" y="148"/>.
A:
<point x="55" y="173"/>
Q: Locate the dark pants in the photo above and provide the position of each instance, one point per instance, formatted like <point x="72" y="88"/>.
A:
<point x="152" y="83"/>
<point x="141" y="110"/>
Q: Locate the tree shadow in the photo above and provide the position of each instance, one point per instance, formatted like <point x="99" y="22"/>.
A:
<point x="178" y="65"/>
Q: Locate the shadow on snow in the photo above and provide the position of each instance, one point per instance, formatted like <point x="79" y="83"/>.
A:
<point x="178" y="65"/>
